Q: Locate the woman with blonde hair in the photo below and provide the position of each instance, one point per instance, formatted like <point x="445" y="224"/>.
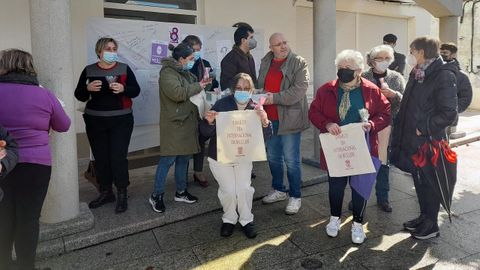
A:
<point x="234" y="179"/>
<point x="108" y="87"/>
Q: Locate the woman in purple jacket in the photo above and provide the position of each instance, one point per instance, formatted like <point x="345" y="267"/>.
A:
<point x="28" y="112"/>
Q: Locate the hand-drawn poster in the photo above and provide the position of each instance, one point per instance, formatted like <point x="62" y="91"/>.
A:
<point x="347" y="154"/>
<point x="142" y="45"/>
<point x="239" y="137"/>
<point x="223" y="47"/>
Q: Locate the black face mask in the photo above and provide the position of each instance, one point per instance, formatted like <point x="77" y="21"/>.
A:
<point x="346" y="75"/>
<point x="445" y="58"/>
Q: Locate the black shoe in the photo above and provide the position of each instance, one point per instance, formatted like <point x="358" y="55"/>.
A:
<point x="185" y="197"/>
<point x="385" y="206"/>
<point x="157" y="203"/>
<point x="426" y="230"/>
<point x="227" y="229"/>
<point x="414" y="223"/>
<point x="203" y="183"/>
<point x="122" y="201"/>
<point x="106" y="196"/>
<point x="350" y="206"/>
<point x="249" y="230"/>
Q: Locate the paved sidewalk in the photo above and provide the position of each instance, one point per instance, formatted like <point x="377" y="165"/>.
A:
<point x="299" y="241"/>
<point x="469" y="122"/>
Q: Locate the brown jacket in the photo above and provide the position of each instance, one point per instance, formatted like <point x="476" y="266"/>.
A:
<point x="291" y="101"/>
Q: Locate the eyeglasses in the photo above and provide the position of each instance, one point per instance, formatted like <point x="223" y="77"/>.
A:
<point x="285" y="43"/>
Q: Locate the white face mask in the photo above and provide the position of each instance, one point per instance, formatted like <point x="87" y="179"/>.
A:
<point x="382" y="66"/>
<point x="411" y="60"/>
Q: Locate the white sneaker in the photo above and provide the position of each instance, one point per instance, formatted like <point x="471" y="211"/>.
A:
<point x="274" y="196"/>
<point x="333" y="226"/>
<point x="293" y="206"/>
<point x="358" y="235"/>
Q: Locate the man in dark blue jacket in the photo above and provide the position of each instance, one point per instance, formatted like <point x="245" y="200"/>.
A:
<point x="448" y="51"/>
<point x="399" y="59"/>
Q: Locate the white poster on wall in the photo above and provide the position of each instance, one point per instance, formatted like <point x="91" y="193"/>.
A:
<point x="142" y="45"/>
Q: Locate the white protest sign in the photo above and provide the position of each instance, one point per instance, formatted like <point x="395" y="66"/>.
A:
<point x="239" y="137"/>
<point x="347" y="154"/>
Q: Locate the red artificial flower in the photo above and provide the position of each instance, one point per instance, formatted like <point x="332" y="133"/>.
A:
<point x="420" y="158"/>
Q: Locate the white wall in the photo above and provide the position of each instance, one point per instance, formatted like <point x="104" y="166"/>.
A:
<point x="15" y="24"/>
<point x="463" y="54"/>
<point x="270" y="15"/>
<point x="361" y="24"/>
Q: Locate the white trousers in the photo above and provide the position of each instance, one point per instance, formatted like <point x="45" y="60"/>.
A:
<point x="235" y="191"/>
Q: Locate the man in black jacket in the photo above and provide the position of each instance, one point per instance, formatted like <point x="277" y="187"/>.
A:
<point x="399" y="59"/>
<point x="448" y="51"/>
<point x="239" y="59"/>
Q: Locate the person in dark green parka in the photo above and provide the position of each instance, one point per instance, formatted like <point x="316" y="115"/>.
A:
<point x="178" y="123"/>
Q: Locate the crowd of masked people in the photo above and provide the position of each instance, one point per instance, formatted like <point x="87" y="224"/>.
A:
<point x="401" y="115"/>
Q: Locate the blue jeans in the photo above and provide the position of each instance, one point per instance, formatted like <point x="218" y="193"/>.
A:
<point x="164" y="164"/>
<point x="280" y="149"/>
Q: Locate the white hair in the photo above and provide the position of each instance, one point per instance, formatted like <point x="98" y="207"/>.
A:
<point x="352" y="57"/>
<point x="377" y="50"/>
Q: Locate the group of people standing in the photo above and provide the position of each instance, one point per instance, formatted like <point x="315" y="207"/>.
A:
<point x="396" y="123"/>
<point x="284" y="78"/>
<point x="283" y="118"/>
<point x="401" y="117"/>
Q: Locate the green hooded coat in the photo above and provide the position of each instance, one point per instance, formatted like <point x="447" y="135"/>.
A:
<point x="178" y="115"/>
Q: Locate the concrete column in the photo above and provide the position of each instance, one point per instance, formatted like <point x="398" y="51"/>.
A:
<point x="449" y="33"/>
<point x="52" y="53"/>
<point x="449" y="29"/>
<point x="324" y="51"/>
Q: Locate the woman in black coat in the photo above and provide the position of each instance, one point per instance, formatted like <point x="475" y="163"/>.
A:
<point x="428" y="107"/>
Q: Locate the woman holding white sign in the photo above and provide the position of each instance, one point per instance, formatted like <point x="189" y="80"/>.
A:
<point x="234" y="179"/>
<point x="337" y="103"/>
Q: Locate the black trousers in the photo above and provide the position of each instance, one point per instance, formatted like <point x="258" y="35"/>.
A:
<point x="336" y="192"/>
<point x="109" y="138"/>
<point x="25" y="189"/>
<point x="429" y="202"/>
<point x="199" y="157"/>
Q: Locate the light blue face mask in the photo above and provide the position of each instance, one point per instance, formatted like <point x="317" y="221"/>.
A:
<point x="110" y="57"/>
<point x="197" y="55"/>
<point x="189" y="65"/>
<point x="241" y="96"/>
